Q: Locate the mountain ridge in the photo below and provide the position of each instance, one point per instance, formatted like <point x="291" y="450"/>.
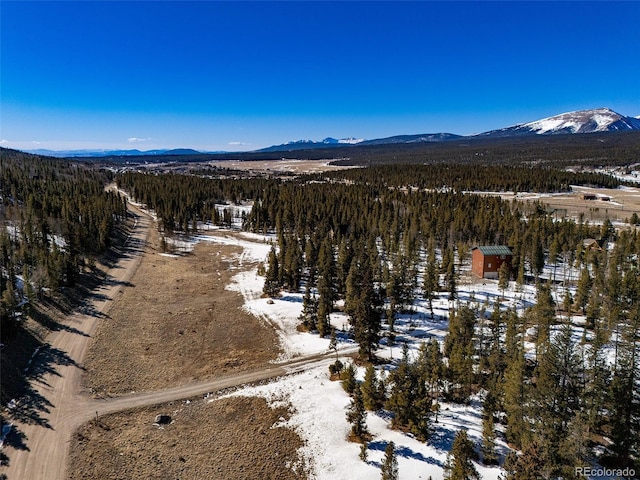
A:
<point x="598" y="120"/>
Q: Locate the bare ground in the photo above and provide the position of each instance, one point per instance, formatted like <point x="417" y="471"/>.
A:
<point x="227" y="439"/>
<point x="176" y="323"/>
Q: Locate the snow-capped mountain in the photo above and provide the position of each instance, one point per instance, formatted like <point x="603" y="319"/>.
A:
<point x="581" y="121"/>
<point x="326" y="141"/>
<point x="345" y="142"/>
<point x="309" y="144"/>
<point x="351" y="140"/>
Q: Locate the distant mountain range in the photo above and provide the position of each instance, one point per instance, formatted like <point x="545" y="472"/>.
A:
<point x="578" y="122"/>
<point x="309" y="144"/>
<point x="581" y="121"/>
<point x="114" y="153"/>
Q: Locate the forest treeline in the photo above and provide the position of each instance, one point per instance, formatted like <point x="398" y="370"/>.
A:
<point x="181" y="201"/>
<point x="483" y="178"/>
<point x="56" y="219"/>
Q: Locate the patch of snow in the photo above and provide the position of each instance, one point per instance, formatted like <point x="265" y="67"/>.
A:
<point x="6" y="429"/>
<point x="351" y="140"/>
<point x="318" y="415"/>
<point x="575" y="121"/>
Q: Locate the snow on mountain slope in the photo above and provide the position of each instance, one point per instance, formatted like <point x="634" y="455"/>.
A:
<point x="581" y="121"/>
<point x="575" y="122"/>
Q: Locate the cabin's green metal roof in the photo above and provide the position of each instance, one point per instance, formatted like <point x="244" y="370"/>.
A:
<point x="495" y="250"/>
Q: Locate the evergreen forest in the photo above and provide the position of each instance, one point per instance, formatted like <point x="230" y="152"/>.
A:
<point x="57" y="218"/>
<point x="374" y="243"/>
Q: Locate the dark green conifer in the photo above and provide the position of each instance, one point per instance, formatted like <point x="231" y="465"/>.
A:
<point x="389" y="467"/>
<point x="459" y="465"/>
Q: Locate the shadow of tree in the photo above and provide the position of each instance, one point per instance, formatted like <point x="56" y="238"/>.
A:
<point x="24" y="367"/>
<point x="40" y="315"/>
<point x="442" y="439"/>
<point x="404" y="452"/>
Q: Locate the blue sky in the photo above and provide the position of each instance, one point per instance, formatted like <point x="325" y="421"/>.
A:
<point x="244" y="75"/>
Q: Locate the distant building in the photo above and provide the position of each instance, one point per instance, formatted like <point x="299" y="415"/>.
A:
<point x="589" y="196"/>
<point x="593" y="244"/>
<point x="487" y="260"/>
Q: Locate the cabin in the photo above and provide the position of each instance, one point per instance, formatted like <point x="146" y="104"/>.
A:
<point x="593" y="244"/>
<point x="589" y="196"/>
<point x="487" y="260"/>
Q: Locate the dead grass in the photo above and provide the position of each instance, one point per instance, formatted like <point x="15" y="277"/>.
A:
<point x="227" y="439"/>
<point x="176" y="323"/>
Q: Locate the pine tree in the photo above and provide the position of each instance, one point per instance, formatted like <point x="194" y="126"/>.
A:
<point x="583" y="290"/>
<point x="370" y="390"/>
<point x="459" y="465"/>
<point x="598" y="379"/>
<point x="292" y="264"/>
<point x="526" y="466"/>
<point x="489" y="454"/>
<point x="543" y="315"/>
<point x="430" y="284"/>
<point x="624" y="407"/>
<point x="325" y="305"/>
<point x="349" y="382"/>
<point x="390" y="463"/>
<point x="409" y="400"/>
<point x="504" y="275"/>
<point x="450" y="276"/>
<point x="557" y="397"/>
<point x="365" y="315"/>
<point x="309" y="315"/>
<point x="343" y="264"/>
<point x="515" y="398"/>
<point x="459" y="348"/>
<point x="401" y="395"/>
<point x="272" y="282"/>
<point x="356" y="416"/>
<point x="431" y="367"/>
<point x="537" y="254"/>
<point x="326" y="294"/>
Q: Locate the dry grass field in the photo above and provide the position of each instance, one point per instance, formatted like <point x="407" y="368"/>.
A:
<point x="621" y="203"/>
<point x="226" y="439"/>
<point x="176" y="323"/>
<point x="284" y="165"/>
